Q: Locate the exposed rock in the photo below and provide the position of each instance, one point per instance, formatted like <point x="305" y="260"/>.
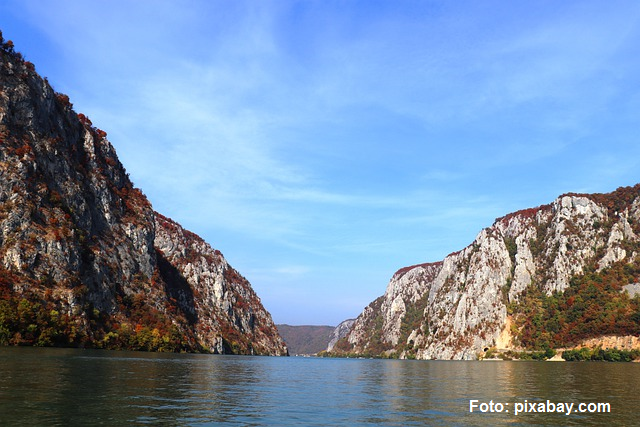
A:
<point x="629" y="342"/>
<point x="340" y="332"/>
<point x="632" y="289"/>
<point x="455" y="308"/>
<point x="218" y="301"/>
<point x="79" y="240"/>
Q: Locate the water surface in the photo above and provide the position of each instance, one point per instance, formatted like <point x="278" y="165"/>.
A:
<point x="87" y="387"/>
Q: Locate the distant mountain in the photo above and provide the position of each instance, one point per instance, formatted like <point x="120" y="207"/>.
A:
<point x="306" y="339"/>
<point x="85" y="260"/>
<point x="559" y="275"/>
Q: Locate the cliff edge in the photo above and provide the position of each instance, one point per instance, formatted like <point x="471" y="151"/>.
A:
<point x="541" y="278"/>
<point x="84" y="258"/>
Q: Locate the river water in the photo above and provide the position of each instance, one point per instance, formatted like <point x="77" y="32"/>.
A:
<point x="85" y="387"/>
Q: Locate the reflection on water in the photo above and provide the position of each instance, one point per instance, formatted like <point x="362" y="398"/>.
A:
<point x="76" y="387"/>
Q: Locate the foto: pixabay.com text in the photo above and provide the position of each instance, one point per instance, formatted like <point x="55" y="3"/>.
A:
<point x="526" y="407"/>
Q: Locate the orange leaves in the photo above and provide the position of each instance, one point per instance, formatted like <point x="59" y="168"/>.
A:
<point x="86" y="122"/>
<point x="101" y="134"/>
<point x="529" y="213"/>
<point x="23" y="150"/>
<point x="63" y="99"/>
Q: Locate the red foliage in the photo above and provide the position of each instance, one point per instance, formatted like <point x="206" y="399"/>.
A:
<point x="232" y="276"/>
<point x="529" y="213"/>
<point x="84" y="120"/>
<point x="101" y="134"/>
<point x="592" y="306"/>
<point x="22" y="150"/>
<point x="9" y="47"/>
<point x="454" y="253"/>
<point x="616" y="201"/>
<point x="405" y="270"/>
<point x="64" y="100"/>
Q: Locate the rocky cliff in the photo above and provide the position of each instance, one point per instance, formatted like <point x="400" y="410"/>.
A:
<point x="339" y="332"/>
<point x="85" y="260"/>
<point x="546" y="277"/>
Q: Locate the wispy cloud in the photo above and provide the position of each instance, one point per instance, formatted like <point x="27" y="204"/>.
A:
<point x="322" y="143"/>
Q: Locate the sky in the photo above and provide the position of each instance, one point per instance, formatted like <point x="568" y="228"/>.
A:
<point x="323" y="145"/>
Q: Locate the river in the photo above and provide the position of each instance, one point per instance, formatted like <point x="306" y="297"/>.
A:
<point x="66" y="387"/>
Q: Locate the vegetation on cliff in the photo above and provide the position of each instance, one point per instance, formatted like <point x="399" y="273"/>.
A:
<point x="558" y="271"/>
<point x="593" y="305"/>
<point x="84" y="259"/>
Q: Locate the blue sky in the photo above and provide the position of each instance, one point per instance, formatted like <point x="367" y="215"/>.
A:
<point x="322" y="145"/>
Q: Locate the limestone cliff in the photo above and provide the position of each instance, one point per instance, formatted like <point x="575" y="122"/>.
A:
<point x="339" y="332"/>
<point x="85" y="260"/>
<point x="535" y="278"/>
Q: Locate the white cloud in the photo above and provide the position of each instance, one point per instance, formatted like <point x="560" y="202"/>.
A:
<point x="308" y="139"/>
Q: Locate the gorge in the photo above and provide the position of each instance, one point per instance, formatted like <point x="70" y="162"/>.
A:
<point x="85" y="261"/>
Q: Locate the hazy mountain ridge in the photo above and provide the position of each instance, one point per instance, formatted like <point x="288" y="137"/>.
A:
<point x="85" y="260"/>
<point x="309" y="339"/>
<point x="545" y="277"/>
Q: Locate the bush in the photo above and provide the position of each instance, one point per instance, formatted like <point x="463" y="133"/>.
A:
<point x="598" y="354"/>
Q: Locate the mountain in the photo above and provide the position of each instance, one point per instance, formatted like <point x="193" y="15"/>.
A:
<point x="313" y="339"/>
<point x="85" y="260"/>
<point x="340" y="331"/>
<point x="305" y="339"/>
<point x="557" y="276"/>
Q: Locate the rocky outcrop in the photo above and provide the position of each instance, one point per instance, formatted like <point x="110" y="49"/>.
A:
<point x="225" y="312"/>
<point x="628" y="342"/>
<point x="79" y="240"/>
<point x="340" y="332"/>
<point x="458" y="307"/>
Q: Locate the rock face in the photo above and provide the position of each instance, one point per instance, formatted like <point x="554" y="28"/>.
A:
<point x="340" y="332"/>
<point x="609" y="342"/>
<point x="226" y="314"/>
<point x="458" y="307"/>
<point x="79" y="240"/>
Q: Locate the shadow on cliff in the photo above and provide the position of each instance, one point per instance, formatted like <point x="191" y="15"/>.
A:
<point x="177" y="288"/>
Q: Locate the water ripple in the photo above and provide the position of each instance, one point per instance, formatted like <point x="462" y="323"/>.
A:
<point x="75" y="387"/>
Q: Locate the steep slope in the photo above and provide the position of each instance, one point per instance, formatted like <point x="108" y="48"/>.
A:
<point x="340" y="332"/>
<point x="539" y="278"/>
<point x="305" y="339"/>
<point x="224" y="311"/>
<point x="84" y="259"/>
